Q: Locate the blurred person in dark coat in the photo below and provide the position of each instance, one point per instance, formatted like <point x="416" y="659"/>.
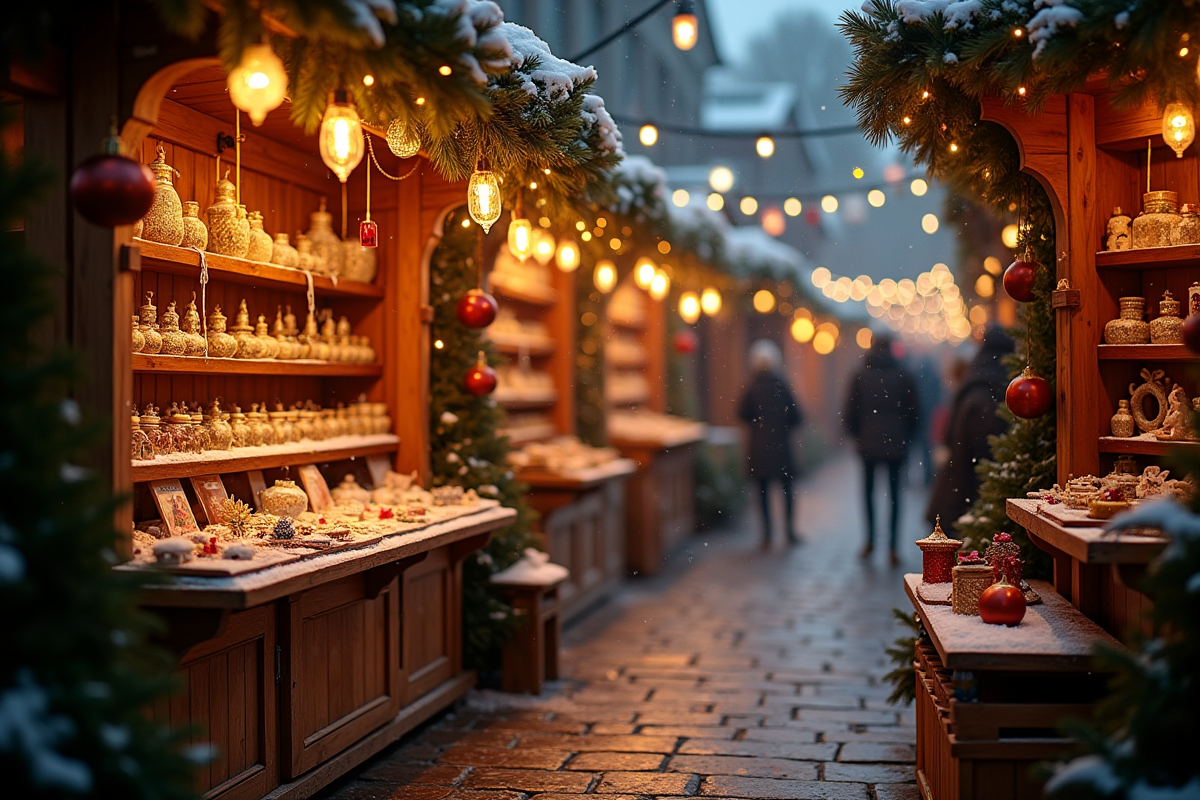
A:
<point x="973" y="419"/>
<point x="771" y="411"/>
<point x="882" y="414"/>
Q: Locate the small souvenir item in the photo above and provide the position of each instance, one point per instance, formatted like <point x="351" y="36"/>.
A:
<point x="268" y="345"/>
<point x="220" y="432"/>
<point x="191" y="329"/>
<point x="304" y="255"/>
<point x="1005" y="557"/>
<point x="1125" y="465"/>
<point x="316" y="488"/>
<point x="280" y="424"/>
<point x="283" y="254"/>
<point x="243" y="436"/>
<point x="261" y="431"/>
<point x="1108" y="503"/>
<point x="972" y="575"/>
<point x="285" y="499"/>
<point x="325" y="243"/>
<point x="199" y="431"/>
<point x="210" y="491"/>
<point x="174" y="551"/>
<point x="1168" y="327"/>
<point x="220" y="343"/>
<point x="1129" y="328"/>
<point x="152" y="339"/>
<point x="1176" y="426"/>
<point x="225" y="233"/>
<point x="1118" y="231"/>
<point x="140" y="447"/>
<point x="151" y="425"/>
<point x="284" y="530"/>
<point x="260" y="246"/>
<point x="174" y="507"/>
<point x="286" y="348"/>
<point x="1002" y="603"/>
<point x="1155" y="386"/>
<point x="368" y="233"/>
<point x="239" y="552"/>
<point x="139" y="341"/>
<point x="248" y="345"/>
<point x="937" y="555"/>
<point x="174" y="341"/>
<point x="447" y="495"/>
<point x="1158" y="219"/>
<point x="195" y="234"/>
<point x="1193" y="299"/>
<point x="236" y="515"/>
<point x="1187" y="231"/>
<point x="1122" y="423"/>
<point x="164" y="221"/>
<point x="349" y="491"/>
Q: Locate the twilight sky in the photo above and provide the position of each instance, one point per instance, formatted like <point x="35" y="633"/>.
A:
<point x="735" y="22"/>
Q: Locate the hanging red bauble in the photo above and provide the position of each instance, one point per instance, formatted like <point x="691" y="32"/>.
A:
<point x="1191" y="332"/>
<point x="1028" y="396"/>
<point x="480" y="379"/>
<point x="476" y="309"/>
<point x="1019" y="278"/>
<point x="368" y="233"/>
<point x="109" y="189"/>
<point x="812" y="216"/>
<point x="1002" y="604"/>
<point x="685" y="342"/>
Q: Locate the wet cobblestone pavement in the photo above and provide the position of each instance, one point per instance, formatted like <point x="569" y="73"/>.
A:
<point x="737" y="674"/>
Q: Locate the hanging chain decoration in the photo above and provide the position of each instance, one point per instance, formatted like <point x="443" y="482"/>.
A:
<point x="375" y="161"/>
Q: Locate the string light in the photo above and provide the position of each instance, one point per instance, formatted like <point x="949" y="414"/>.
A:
<point x="605" y="276"/>
<point x="876" y="198"/>
<point x="803" y="329"/>
<point x="341" y="137"/>
<point x="715" y="201"/>
<point x="863" y="338"/>
<point x="258" y="84"/>
<point x="660" y="285"/>
<point x="368" y="80"/>
<point x="907" y="120"/>
<point x="829" y="204"/>
<point x="764" y="301"/>
<point x="684" y="27"/>
<point x="689" y="307"/>
<point x="1178" y="127"/>
<point x="765" y="146"/>
<point x="720" y="179"/>
<point x="643" y="272"/>
<point x="954" y="147"/>
<point x="567" y="256"/>
<point x="1021" y="91"/>
<point x="773" y="221"/>
<point x="648" y="135"/>
<point x="858" y="173"/>
<point x="748" y="205"/>
<point x="1018" y="32"/>
<point x="664" y="247"/>
<point x="929" y="223"/>
<point x="680" y="197"/>
<point x="444" y="70"/>
<point x="710" y="301"/>
<point x="1008" y="236"/>
<point x="918" y="187"/>
<point x="792" y="207"/>
<point x="483" y="195"/>
<point x="520" y="233"/>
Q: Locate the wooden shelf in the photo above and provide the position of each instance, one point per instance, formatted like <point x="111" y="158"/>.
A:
<point x="1053" y="637"/>
<point x="629" y="324"/>
<point x="1183" y="255"/>
<point x="1144" y="445"/>
<point x="516" y="344"/>
<point x="534" y="294"/>
<point x="636" y="362"/>
<point x="269" y="457"/>
<point x="157" y="257"/>
<point x="197" y="365"/>
<point x="1089" y="545"/>
<point x="528" y="433"/>
<point x="539" y="399"/>
<point x="1146" y="352"/>
<point x="540" y="478"/>
<point x="625" y="402"/>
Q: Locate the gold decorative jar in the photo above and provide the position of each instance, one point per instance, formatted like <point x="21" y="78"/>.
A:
<point x="200" y="431"/>
<point x="248" y="345"/>
<point x="1168" y="327"/>
<point x="191" y="329"/>
<point x="260" y="246"/>
<point x="263" y="433"/>
<point x="369" y="355"/>
<point x="243" y="230"/>
<point x="304" y="255"/>
<point x="139" y="341"/>
<point x="304" y="426"/>
<point x="1122" y="423"/>
<point x="283" y="253"/>
<point x="174" y="341"/>
<point x="281" y="424"/>
<point x="220" y="343"/>
<point x="967" y="583"/>
<point x="220" y="432"/>
<point x="353" y="260"/>
<point x="325" y="243"/>
<point x="365" y="262"/>
<point x="148" y="314"/>
<point x="164" y="221"/>
<point x="285" y="499"/>
<point x="329" y="337"/>
<point x="1129" y="328"/>
<point x="287" y="350"/>
<point x="226" y="236"/>
<point x="195" y="233"/>
<point x="140" y="447"/>
<point x="1158" y="219"/>
<point x="151" y="425"/>
<point x="268" y="344"/>
<point x="243" y="435"/>
<point x="318" y="347"/>
<point x="1187" y="230"/>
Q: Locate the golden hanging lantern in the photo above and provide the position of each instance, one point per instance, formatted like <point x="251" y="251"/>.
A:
<point x="341" y="138"/>
<point x="258" y="84"/>
<point x="483" y="196"/>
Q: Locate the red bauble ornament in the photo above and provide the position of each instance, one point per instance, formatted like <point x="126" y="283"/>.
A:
<point x="1019" y="278"/>
<point x="1191" y="332"/>
<point x="368" y="233"/>
<point x="476" y="309"/>
<point x="110" y="189"/>
<point x="1002" y="604"/>
<point x="685" y="342"/>
<point x="1028" y="396"/>
<point x="480" y="379"/>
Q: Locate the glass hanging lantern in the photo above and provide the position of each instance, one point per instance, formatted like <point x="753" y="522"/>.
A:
<point x="483" y="196"/>
<point x="644" y="272"/>
<point x="684" y="27"/>
<point x="567" y="255"/>
<point x="543" y="246"/>
<point x="1179" y="127"/>
<point x="258" y="84"/>
<point x="710" y="301"/>
<point x="403" y="139"/>
<point x="605" y="276"/>
<point x="520" y="232"/>
<point x="341" y="138"/>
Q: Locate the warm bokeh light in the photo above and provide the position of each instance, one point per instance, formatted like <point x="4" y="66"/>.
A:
<point x="876" y="198"/>
<point x="721" y="179"/>
<point x="748" y="205"/>
<point x="829" y="204"/>
<point x="368" y="80"/>
<point x="821" y="276"/>
<point x="803" y="329"/>
<point x="716" y="201"/>
<point x="689" y="307"/>
<point x="544" y="246"/>
<point x="1008" y="236"/>
<point x="605" y="276"/>
<point x="648" y="135"/>
<point x="929" y="223"/>
<point x="664" y="247"/>
<point x="764" y="301"/>
<point x="918" y="187"/>
<point x="684" y="30"/>
<point x="978" y="315"/>
<point x="993" y="265"/>
<point x="259" y="83"/>
<point x="614" y="243"/>
<point x="863" y="338"/>
<point x="773" y="221"/>
<point x="985" y="286"/>
<point x="858" y="173"/>
<point x="765" y="146"/>
<point x="680" y="197"/>
<point x="792" y="207"/>
<point x="567" y="256"/>
<point x="520" y="237"/>
<point x="660" y="285"/>
<point x="824" y="342"/>
<point x="438" y="344"/>
<point x="710" y="301"/>
<point x="643" y="272"/>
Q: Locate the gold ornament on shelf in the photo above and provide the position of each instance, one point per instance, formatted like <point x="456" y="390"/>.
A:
<point x="1156" y="384"/>
<point x="1118" y="231"/>
<point x="483" y="196"/>
<point x="243" y="223"/>
<point x="1122" y="423"/>
<point x="403" y="139"/>
<point x="1188" y="229"/>
<point x="325" y="243"/>
<point x="139" y="341"/>
<point x="285" y="499"/>
<point x="225" y="234"/>
<point x="174" y="341"/>
<point x="260" y="246"/>
<point x="248" y="345"/>
<point x="195" y="233"/>
<point x="1176" y="424"/>
<point x="268" y="344"/>
<point x="164" y="221"/>
<point x="236" y="515"/>
<point x="1168" y="327"/>
<point x="340" y="136"/>
<point x="1129" y="328"/>
<point x="220" y="343"/>
<point x="148" y="314"/>
<point x="283" y="254"/>
<point x="257" y="85"/>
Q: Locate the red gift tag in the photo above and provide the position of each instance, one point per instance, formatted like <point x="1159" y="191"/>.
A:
<point x="368" y="233"/>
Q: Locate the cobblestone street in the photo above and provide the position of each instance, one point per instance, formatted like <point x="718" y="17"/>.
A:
<point x="736" y="674"/>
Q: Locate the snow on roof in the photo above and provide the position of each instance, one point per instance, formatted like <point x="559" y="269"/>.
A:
<point x="757" y="251"/>
<point x="735" y="104"/>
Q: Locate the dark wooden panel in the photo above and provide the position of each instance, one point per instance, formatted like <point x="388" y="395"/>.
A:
<point x="430" y="624"/>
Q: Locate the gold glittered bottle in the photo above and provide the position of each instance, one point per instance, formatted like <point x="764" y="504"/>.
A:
<point x="226" y="236"/>
<point x="248" y="345"/>
<point x="191" y="329"/>
<point x="287" y="350"/>
<point x="164" y="221"/>
<point x="1159" y="216"/>
<point x="148" y="314"/>
<point x="139" y="341"/>
<point x="174" y="341"/>
<point x="1168" y="327"/>
<point x="325" y="243"/>
<point x="283" y="253"/>
<point x="195" y="232"/>
<point x="260" y="246"/>
<point x="221" y="344"/>
<point x="304" y="255"/>
<point x="243" y="220"/>
<point x="268" y="344"/>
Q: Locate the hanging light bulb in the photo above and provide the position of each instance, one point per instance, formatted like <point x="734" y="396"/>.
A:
<point x="483" y="195"/>
<point x="605" y="276"/>
<point x="644" y="272"/>
<point x="1179" y="128"/>
<point x="765" y="146"/>
<point x="257" y="85"/>
<point x="648" y="135"/>
<point x="567" y="255"/>
<point x="341" y="138"/>
<point x="689" y="307"/>
<point x="543" y="246"/>
<point x="660" y="285"/>
<point x="710" y="301"/>
<point x="403" y="139"/>
<point x="520" y="232"/>
<point x="684" y="27"/>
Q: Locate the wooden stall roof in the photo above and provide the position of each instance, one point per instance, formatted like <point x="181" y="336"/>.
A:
<point x="246" y="591"/>
<point x="578" y="478"/>
<point x="1090" y="545"/>
<point x="1053" y="637"/>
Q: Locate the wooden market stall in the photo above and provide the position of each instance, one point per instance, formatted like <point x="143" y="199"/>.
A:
<point x="296" y="664"/>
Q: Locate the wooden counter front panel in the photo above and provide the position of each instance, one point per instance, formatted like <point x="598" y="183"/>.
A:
<point x="431" y="625"/>
<point x="227" y="696"/>
<point x="342" y="669"/>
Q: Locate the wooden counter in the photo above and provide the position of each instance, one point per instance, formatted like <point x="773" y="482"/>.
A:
<point x="578" y="479"/>
<point x="1087" y="544"/>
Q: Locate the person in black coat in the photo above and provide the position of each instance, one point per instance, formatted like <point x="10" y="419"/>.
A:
<point x="882" y="414"/>
<point x="771" y="411"/>
<point x="973" y="419"/>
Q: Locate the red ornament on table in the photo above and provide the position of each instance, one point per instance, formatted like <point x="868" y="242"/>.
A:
<point x="480" y="379"/>
<point x="110" y="189"/>
<point x="476" y="309"/>
<point x="937" y="555"/>
<point x="368" y="233"/>
<point x="1020" y="276"/>
<point x="1028" y="396"/>
<point x="1191" y="332"/>
<point x="1002" y="604"/>
<point x="685" y="342"/>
